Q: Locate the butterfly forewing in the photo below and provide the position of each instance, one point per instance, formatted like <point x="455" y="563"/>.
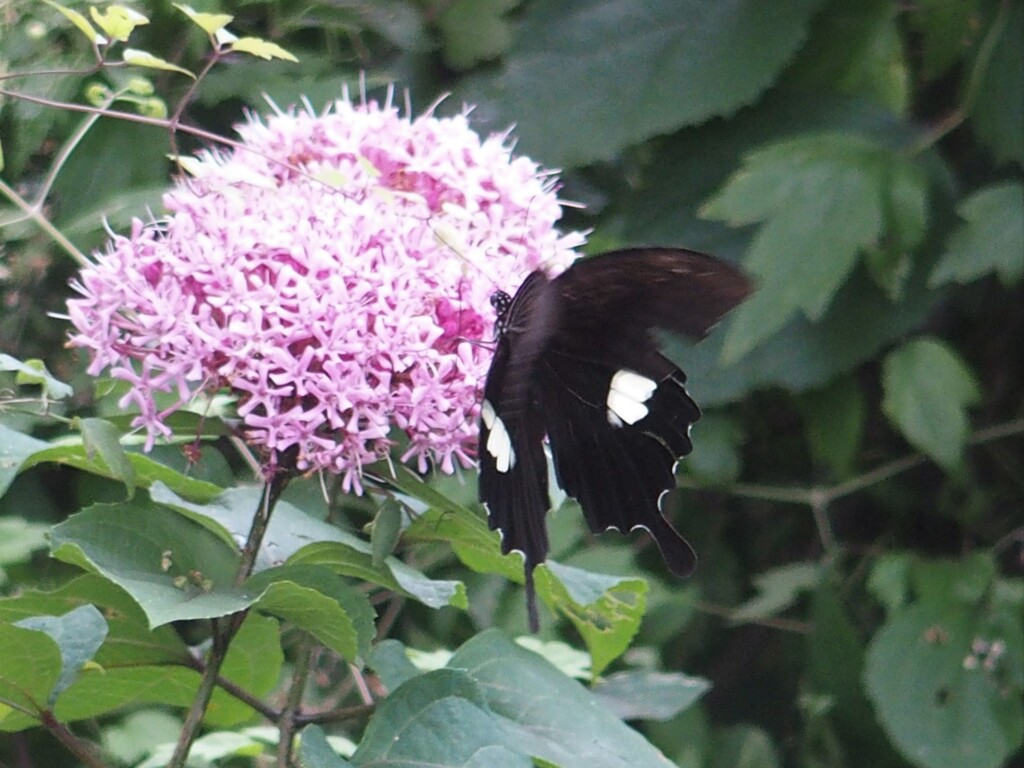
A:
<point x="577" y="360"/>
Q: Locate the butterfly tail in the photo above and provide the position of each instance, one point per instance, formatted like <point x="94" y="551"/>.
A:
<point x="675" y="550"/>
<point x="532" y="616"/>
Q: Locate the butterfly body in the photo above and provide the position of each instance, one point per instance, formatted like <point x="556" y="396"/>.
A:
<point x="577" y="361"/>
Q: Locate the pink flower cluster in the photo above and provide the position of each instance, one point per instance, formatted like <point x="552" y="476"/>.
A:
<point x="333" y="277"/>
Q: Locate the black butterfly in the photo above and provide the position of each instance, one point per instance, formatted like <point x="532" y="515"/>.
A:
<point x="577" y="360"/>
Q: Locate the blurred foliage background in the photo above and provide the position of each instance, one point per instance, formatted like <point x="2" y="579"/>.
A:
<point x="856" y="493"/>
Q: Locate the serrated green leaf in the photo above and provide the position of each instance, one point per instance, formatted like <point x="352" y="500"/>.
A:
<point x="117" y="21"/>
<point x="473" y="31"/>
<point x="33" y="372"/>
<point x="643" y="695"/>
<point x="32" y="666"/>
<point x="778" y="589"/>
<point x="822" y="198"/>
<point x="146" y="59"/>
<point x="991" y="239"/>
<point x="932" y="691"/>
<point x="101" y="437"/>
<point x="79" y="635"/>
<point x="210" y="23"/>
<point x="82" y="23"/>
<point x="928" y="388"/>
<point x="678" y="63"/>
<point x="263" y="49"/>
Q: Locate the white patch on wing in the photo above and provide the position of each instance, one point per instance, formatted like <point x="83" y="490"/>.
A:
<point x="499" y="444"/>
<point x="627" y="395"/>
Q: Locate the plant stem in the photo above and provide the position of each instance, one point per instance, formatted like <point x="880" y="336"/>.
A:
<point x="84" y="751"/>
<point x="286" y="723"/>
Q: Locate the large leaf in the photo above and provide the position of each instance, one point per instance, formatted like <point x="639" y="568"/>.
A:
<point x="129" y="641"/>
<point x="498" y="704"/>
<point x="172" y="567"/>
<point x="31" y="667"/>
<point x="299" y="538"/>
<point x="15" y="450"/>
<point x="643" y="695"/>
<point x="937" y="695"/>
<point x="927" y="390"/>
<point x="78" y="634"/>
<point x="990" y="240"/>
<point x="584" y="80"/>
<point x="823" y="199"/>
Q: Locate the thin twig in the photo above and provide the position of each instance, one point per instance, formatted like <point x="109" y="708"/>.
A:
<point x="83" y="750"/>
<point x="292" y="708"/>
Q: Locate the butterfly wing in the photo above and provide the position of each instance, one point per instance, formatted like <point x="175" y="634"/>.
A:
<point x="616" y="411"/>
<point x="513" y="469"/>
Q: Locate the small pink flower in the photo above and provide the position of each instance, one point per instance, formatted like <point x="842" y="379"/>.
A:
<point x="334" y="279"/>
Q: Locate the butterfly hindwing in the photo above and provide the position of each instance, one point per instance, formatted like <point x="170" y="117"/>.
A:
<point x="577" y="361"/>
<point x="616" y="435"/>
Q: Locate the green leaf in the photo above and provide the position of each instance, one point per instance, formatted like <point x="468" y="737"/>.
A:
<point x="15" y="450"/>
<point x="261" y="48"/>
<point x="172" y="567"/>
<point x="936" y="697"/>
<point x="392" y="664"/>
<point x="823" y="199"/>
<point x="78" y="634"/>
<point x="210" y="23"/>
<point x="473" y="31"/>
<point x="778" y="589"/>
<point x="644" y="695"/>
<point x="147" y="470"/>
<point x="606" y="610"/>
<point x="33" y="372"/>
<point x="997" y="112"/>
<point x="133" y="738"/>
<point x="101" y="437"/>
<point x="591" y="62"/>
<point x="117" y="21"/>
<point x="945" y="30"/>
<point x="319" y="602"/>
<point x="32" y="666"/>
<point x="855" y="48"/>
<point x="927" y="390"/>
<point x="82" y="23"/>
<point x="743" y="746"/>
<point x="889" y="580"/>
<point x="834" y="420"/>
<point x="991" y="239"/>
<point x="550" y="716"/>
<point x="129" y="642"/>
<point x="301" y="539"/>
<point x="146" y="59"/>
<point x="967" y="580"/>
<point x="716" y="456"/>
<point x="316" y="752"/>
<point x="440" y="718"/>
